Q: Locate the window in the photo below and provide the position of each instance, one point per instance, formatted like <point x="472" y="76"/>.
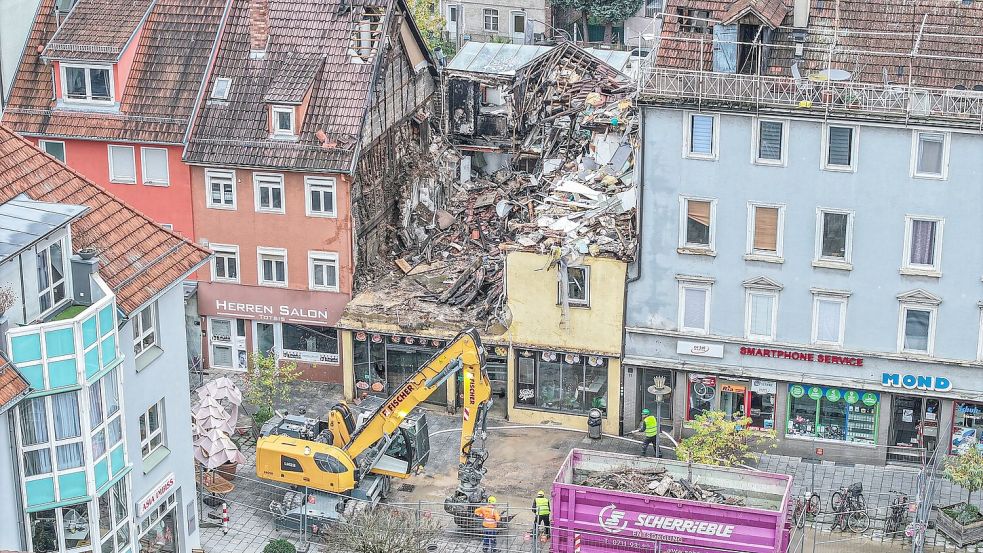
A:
<point x="152" y="429"/>
<point x="104" y="415"/>
<point x="917" y="329"/>
<point x="221" y="189"/>
<point x="220" y="90"/>
<point x="694" y="307"/>
<point x="322" y="271"/>
<point x="145" y="329"/>
<point x="225" y="264"/>
<point x="51" y="276"/>
<point x="122" y="166"/>
<point x="765" y="239"/>
<point x="696" y="223"/>
<point x="220" y="340"/>
<point x="53" y="148"/>
<point x="269" y="192"/>
<point x="923" y="246"/>
<point x="832" y="414"/>
<point x="159" y="530"/>
<point x="155" y="170"/>
<point x="491" y="19"/>
<point x="87" y="83"/>
<point x="930" y="155"/>
<point x="834" y="238"/>
<point x="50" y="434"/>
<point x="701" y="136"/>
<point x="652" y="7"/>
<point x="576" y="282"/>
<point x="272" y="266"/>
<point x="312" y="344"/>
<point x="967" y="427"/>
<point x="693" y="21"/>
<point x="320" y="196"/>
<point x="771" y="137"/>
<point x="828" y="318"/>
<point x="283" y="120"/>
<point x="452" y="13"/>
<point x="760" y="315"/>
<point x="114" y="522"/>
<point x="840" y="148"/>
<point x="562" y="382"/>
<point x="61" y="529"/>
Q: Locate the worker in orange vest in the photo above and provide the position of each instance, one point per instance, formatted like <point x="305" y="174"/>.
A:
<point x="489" y="522"/>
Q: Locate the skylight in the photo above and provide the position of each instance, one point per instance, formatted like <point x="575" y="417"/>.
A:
<point x="220" y="90"/>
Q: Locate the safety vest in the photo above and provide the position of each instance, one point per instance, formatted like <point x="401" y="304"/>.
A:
<point x="651" y="426"/>
<point x="542" y="506"/>
<point x="489" y="516"/>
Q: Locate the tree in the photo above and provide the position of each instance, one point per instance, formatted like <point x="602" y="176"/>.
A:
<point x="426" y="14"/>
<point x="966" y="471"/>
<point x="268" y="382"/>
<point x="601" y="12"/>
<point x="383" y="530"/>
<point x="718" y="440"/>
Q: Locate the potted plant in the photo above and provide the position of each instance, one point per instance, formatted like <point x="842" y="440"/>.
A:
<point x="962" y="521"/>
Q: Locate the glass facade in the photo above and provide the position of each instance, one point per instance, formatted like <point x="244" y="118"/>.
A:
<point x="736" y="397"/>
<point x="833" y="414"/>
<point x="967" y="425"/>
<point x="158" y="530"/>
<point x="563" y="382"/>
<point x="383" y="362"/>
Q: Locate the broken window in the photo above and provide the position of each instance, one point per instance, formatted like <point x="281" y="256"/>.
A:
<point x="367" y="34"/>
<point x="578" y="286"/>
<point x="693" y="21"/>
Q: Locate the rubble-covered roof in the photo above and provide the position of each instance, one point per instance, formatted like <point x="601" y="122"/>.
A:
<point x="13" y="386"/>
<point x="97" y="30"/>
<point x="140" y="259"/>
<point x="168" y="67"/>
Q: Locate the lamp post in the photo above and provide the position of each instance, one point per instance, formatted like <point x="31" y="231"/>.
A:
<point x="660" y="391"/>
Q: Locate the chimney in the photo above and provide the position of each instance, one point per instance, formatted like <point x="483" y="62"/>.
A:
<point x="259" y="28"/>
<point x="83" y="268"/>
<point x="800" y="25"/>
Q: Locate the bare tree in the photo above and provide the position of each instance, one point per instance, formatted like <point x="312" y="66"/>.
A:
<point x="383" y="530"/>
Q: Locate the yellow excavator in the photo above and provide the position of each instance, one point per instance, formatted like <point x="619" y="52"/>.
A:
<point x="352" y="460"/>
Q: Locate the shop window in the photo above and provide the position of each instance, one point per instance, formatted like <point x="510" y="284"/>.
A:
<point x="312" y="344"/>
<point x="762" y="410"/>
<point x="158" y="531"/>
<point x="702" y="395"/>
<point x="663" y="409"/>
<point x="833" y="414"/>
<point x="967" y="427"/>
<point x="914" y="429"/>
<point x="564" y="382"/>
<point x="736" y="398"/>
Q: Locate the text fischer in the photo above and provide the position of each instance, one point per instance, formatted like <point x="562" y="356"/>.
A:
<point x="684" y="525"/>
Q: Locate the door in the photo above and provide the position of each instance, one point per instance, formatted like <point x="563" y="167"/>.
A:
<point x="906" y="423"/>
<point x="453" y="14"/>
<point x="733" y="399"/>
<point x="518" y="27"/>
<point x="265" y="339"/>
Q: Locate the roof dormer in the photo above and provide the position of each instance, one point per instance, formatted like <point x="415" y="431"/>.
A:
<point x="289" y="95"/>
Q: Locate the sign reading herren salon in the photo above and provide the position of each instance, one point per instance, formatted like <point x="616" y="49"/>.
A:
<point x="266" y="312"/>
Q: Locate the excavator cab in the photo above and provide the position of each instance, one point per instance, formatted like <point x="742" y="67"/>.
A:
<point x="408" y="449"/>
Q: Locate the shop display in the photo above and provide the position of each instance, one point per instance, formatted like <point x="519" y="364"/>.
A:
<point x="736" y="398"/>
<point x="967" y="424"/>
<point x="563" y="382"/>
<point x="832" y="414"/>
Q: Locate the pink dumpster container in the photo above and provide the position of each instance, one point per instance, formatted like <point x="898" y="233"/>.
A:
<point x="593" y="520"/>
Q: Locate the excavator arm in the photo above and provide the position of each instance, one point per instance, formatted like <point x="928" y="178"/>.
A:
<point x="477" y="395"/>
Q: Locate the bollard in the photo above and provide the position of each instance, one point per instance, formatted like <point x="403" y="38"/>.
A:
<point x="225" y="518"/>
<point x="576" y="543"/>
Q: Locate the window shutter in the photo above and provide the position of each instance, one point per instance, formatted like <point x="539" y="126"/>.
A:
<point x="701" y="134"/>
<point x="695" y="308"/>
<point x="840" y="146"/>
<point x="725" y="48"/>
<point x="766" y="229"/>
<point x="770" y="140"/>
<point x="124" y="168"/>
<point x="155" y="165"/>
<point x="828" y="321"/>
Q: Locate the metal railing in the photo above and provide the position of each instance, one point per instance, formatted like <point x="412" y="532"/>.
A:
<point x="962" y="108"/>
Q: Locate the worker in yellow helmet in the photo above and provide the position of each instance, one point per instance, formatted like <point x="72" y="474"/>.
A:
<point x="649" y="425"/>
<point x="541" y="510"/>
<point x="489" y="522"/>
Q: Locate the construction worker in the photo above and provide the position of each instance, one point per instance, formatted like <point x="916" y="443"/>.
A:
<point x="489" y="522"/>
<point x="541" y="510"/>
<point x="649" y="425"/>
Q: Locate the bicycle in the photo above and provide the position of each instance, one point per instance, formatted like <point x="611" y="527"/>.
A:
<point x="807" y="506"/>
<point x="854" y="492"/>
<point x="897" y="515"/>
<point x="850" y="509"/>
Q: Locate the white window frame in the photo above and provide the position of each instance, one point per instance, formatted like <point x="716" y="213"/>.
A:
<point x="43" y="146"/>
<point x="681" y="311"/>
<point x="231" y="175"/>
<point x="224" y="251"/>
<point x="321" y="182"/>
<point x="688" y="136"/>
<point x="275" y="120"/>
<point x="323" y="258"/>
<point x="227" y="83"/>
<point x="485" y="14"/>
<point x="143" y="167"/>
<point x="843" y="300"/>
<point x="576" y="302"/>
<point x="271" y="180"/>
<point x="750" y="253"/>
<point x="756" y="139"/>
<point x="231" y="343"/>
<point x="933" y="270"/>
<point x="66" y="281"/>
<point x="683" y="245"/>
<point x="933" y="311"/>
<point x="267" y="251"/>
<point x="112" y="165"/>
<point x="63" y="67"/>
<point x="139" y="332"/>
<point x="915" y="139"/>
<point x="833" y="262"/>
<point x="773" y="294"/>
<point x="147" y="442"/>
<point x="854" y="149"/>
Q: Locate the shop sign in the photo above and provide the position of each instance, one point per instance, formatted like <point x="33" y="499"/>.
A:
<point x="311" y="356"/>
<point x="797" y="391"/>
<point x="763" y="387"/>
<point x="851" y="397"/>
<point x="734" y="388"/>
<point x="815" y="392"/>
<point x="869" y="399"/>
<point x="916" y="382"/>
<point x="161" y="490"/>
<point x="268" y="312"/>
<point x="700" y="349"/>
<point x="804" y="356"/>
<point x="833" y="395"/>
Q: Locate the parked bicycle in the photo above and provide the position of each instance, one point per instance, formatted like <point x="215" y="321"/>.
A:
<point x="897" y="515"/>
<point x="807" y="506"/>
<point x="850" y="509"/>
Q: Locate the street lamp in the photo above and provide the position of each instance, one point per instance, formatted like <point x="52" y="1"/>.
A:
<point x="660" y="391"/>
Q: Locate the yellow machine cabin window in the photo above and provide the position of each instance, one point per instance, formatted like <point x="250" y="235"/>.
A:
<point x="328" y="463"/>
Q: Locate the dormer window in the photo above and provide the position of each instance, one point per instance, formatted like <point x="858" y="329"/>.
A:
<point x="283" y="121"/>
<point x="220" y="90"/>
<point x="87" y="83"/>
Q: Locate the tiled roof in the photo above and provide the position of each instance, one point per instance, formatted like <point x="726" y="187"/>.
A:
<point x="293" y="80"/>
<point x="874" y="39"/>
<point x="140" y="259"/>
<point x="13" y="386"/>
<point x="235" y="132"/>
<point x="160" y="92"/>
<point x="85" y="35"/>
<point x="771" y="12"/>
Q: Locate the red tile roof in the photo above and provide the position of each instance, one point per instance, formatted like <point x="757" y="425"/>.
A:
<point x="771" y="12"/>
<point x="85" y="35"/>
<point x="140" y="259"/>
<point x="13" y="386"/>
<point x="168" y="67"/>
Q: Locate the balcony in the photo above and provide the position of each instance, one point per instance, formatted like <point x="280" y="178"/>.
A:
<point x="845" y="100"/>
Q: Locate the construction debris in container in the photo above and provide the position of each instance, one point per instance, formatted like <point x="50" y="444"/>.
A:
<point x="657" y="481"/>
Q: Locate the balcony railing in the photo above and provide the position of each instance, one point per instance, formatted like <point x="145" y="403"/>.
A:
<point x="960" y="108"/>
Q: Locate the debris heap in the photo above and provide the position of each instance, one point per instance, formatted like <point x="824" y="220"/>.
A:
<point x="657" y="481"/>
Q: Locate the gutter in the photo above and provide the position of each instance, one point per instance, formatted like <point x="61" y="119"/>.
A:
<point x="207" y="76"/>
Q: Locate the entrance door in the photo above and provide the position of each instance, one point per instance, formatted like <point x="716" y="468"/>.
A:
<point x="906" y="423"/>
<point x="733" y="399"/>
<point x="453" y="14"/>
<point x="518" y="27"/>
<point x="265" y="338"/>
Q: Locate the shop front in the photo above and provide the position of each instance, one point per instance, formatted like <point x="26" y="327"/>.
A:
<point x="967" y="426"/>
<point x="735" y="397"/>
<point x="914" y="428"/>
<point x="296" y="325"/>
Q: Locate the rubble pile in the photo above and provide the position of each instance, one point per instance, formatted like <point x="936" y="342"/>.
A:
<point x="657" y="481"/>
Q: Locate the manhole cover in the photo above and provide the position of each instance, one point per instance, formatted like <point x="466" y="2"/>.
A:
<point x="407" y="487"/>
